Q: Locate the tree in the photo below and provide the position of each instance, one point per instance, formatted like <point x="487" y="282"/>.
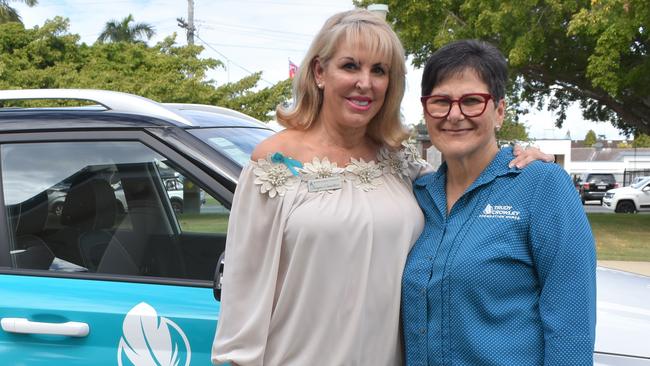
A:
<point x="124" y="31"/>
<point x="590" y="138"/>
<point x="9" y="14"/>
<point x="50" y="57"/>
<point x="512" y="131"/>
<point x="641" y="140"/>
<point x="593" y="52"/>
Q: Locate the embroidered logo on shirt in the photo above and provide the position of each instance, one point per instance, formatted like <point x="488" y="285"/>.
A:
<point x="499" y="212"/>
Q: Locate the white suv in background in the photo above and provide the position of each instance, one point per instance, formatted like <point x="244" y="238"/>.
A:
<point x="631" y="199"/>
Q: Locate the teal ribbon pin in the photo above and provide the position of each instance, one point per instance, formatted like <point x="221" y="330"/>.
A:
<point x="291" y="164"/>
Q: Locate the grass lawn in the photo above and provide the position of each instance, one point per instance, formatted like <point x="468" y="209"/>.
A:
<point x="624" y="237"/>
<point x="618" y="236"/>
<point x="204" y="223"/>
<point x="210" y="201"/>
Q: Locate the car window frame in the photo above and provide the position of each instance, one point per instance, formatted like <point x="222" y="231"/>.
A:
<point x="203" y="156"/>
<point x="588" y="178"/>
<point x="142" y="135"/>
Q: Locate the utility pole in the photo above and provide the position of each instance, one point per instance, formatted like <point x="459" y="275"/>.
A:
<point x="190" y="22"/>
<point x="189" y="25"/>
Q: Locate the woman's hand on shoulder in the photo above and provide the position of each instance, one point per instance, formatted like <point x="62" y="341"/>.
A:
<point x="523" y="157"/>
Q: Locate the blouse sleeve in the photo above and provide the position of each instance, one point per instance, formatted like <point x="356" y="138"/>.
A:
<point x="564" y="253"/>
<point x="418" y="168"/>
<point x="250" y="273"/>
<point x="412" y="161"/>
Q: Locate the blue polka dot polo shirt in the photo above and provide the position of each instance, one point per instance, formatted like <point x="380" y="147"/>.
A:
<point x="507" y="278"/>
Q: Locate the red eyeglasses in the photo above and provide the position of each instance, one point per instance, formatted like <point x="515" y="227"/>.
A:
<point x="471" y="105"/>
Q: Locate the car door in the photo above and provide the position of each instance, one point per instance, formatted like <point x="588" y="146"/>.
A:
<point x="93" y="283"/>
<point x="644" y="197"/>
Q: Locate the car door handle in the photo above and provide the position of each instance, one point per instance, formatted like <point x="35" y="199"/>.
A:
<point x="25" y="326"/>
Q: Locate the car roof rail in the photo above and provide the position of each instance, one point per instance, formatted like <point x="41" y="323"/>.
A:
<point x="111" y="100"/>
<point x="213" y="109"/>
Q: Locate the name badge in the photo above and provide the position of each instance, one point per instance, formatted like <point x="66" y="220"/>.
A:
<point x="324" y="184"/>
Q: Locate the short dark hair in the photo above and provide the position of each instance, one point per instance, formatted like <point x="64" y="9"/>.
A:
<point x="456" y="57"/>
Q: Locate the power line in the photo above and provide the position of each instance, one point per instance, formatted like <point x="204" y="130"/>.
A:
<point x="253" y="38"/>
<point x="51" y="5"/>
<point x="255" y="29"/>
<point x="285" y="3"/>
<point x="231" y="61"/>
<point x="257" y="47"/>
<point x="253" y="34"/>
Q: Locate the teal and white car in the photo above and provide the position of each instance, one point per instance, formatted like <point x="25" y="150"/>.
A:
<point x="98" y="284"/>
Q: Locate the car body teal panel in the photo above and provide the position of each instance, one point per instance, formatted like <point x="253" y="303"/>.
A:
<point x="188" y="313"/>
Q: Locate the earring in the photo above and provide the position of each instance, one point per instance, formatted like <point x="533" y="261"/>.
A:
<point x="320" y="85"/>
<point x="498" y="128"/>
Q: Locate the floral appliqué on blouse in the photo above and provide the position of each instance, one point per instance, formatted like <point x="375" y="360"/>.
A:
<point x="364" y="175"/>
<point x="319" y="169"/>
<point x="275" y="176"/>
<point x="401" y="162"/>
<point x="394" y="162"/>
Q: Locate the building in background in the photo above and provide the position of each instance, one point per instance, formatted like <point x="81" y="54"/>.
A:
<point x="625" y="164"/>
<point x="573" y="156"/>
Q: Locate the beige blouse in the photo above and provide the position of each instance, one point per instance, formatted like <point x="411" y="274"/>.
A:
<point x="314" y="262"/>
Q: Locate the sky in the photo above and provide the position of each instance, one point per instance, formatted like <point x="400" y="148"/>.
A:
<point x="260" y="35"/>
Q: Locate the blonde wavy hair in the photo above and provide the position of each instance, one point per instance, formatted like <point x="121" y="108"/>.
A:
<point x="364" y="29"/>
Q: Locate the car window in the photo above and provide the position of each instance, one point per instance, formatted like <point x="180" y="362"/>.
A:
<point x="110" y="208"/>
<point x="195" y="210"/>
<point x="235" y="143"/>
<point x="641" y="182"/>
<point x="596" y="178"/>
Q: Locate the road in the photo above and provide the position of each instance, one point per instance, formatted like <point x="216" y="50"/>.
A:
<point x="594" y="206"/>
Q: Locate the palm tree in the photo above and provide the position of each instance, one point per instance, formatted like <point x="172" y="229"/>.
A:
<point x="9" y="14"/>
<point x="123" y="31"/>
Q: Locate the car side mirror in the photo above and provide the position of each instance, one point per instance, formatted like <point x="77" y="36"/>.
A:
<point x="218" y="277"/>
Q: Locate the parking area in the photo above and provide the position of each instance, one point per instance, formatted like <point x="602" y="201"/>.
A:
<point x="596" y="207"/>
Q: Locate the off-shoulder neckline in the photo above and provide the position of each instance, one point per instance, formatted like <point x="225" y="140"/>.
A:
<point x="384" y="150"/>
<point x="407" y="150"/>
<point x="277" y="174"/>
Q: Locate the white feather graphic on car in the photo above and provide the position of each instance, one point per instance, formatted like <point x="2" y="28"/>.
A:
<point x="150" y="340"/>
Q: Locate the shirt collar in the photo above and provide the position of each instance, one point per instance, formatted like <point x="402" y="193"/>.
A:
<point x="498" y="167"/>
<point x="431" y="178"/>
<point x="434" y="184"/>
